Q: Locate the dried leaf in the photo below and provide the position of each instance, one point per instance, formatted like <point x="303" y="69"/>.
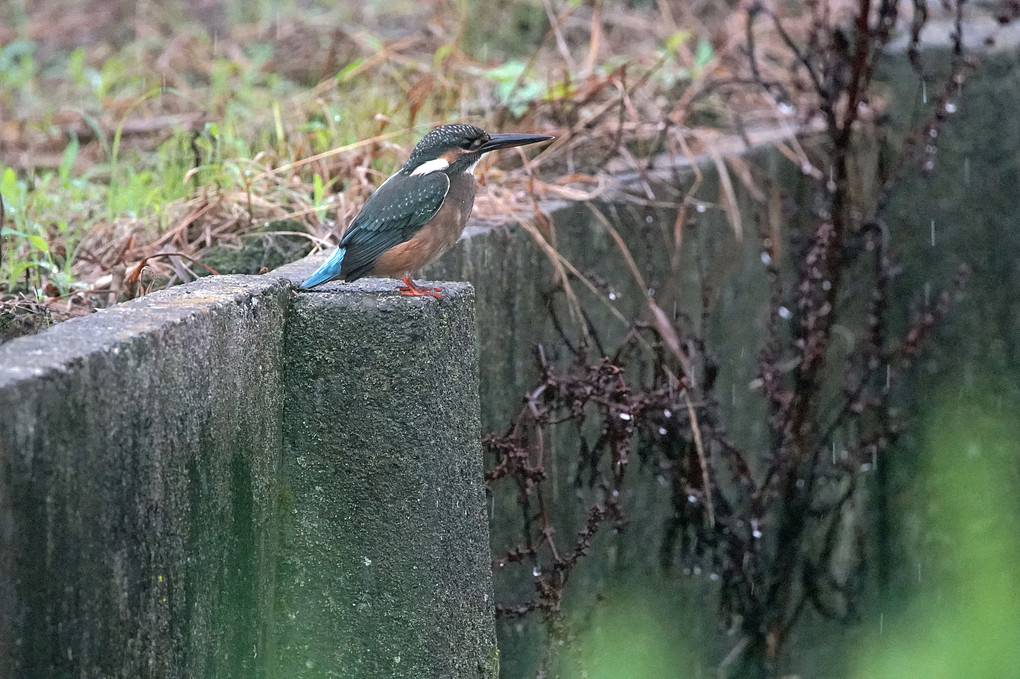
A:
<point x="729" y="196"/>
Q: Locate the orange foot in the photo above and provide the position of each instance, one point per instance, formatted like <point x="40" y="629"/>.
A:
<point x="412" y="290"/>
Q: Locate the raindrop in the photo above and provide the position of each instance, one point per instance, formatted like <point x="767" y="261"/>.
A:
<point x="536" y="572"/>
<point x="713" y="576"/>
<point x="626" y="417"/>
<point x="612" y="297"/>
<point x="502" y="564"/>
<point x="697" y="570"/>
<point x="616" y="493"/>
<point x="933" y="132"/>
<point x="766" y="258"/>
<point x="662" y="431"/>
<point x="667" y="413"/>
<point x="786" y="108"/>
<point x="933" y="233"/>
<point x="806" y="168"/>
<point x="826" y="285"/>
<point x="700" y="207"/>
<point x="800" y="483"/>
<point x="866" y="467"/>
<point x="924" y="92"/>
<point x="756" y="533"/>
<point x="648" y="219"/>
<point x="950" y="107"/>
<point x="785" y="313"/>
<point x="692" y="499"/>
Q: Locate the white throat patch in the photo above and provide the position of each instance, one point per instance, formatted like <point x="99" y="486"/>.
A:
<point x="430" y="166"/>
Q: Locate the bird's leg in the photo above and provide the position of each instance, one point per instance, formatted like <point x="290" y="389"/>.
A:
<point x="410" y="289"/>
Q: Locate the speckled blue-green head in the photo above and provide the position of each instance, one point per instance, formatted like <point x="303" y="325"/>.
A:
<point x="457" y="147"/>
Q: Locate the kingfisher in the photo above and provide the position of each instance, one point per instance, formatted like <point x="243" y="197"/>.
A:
<point x="419" y="212"/>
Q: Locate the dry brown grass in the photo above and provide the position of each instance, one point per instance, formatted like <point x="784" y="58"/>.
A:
<point x="617" y="85"/>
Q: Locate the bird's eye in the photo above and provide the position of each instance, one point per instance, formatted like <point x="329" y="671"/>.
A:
<point x="469" y="144"/>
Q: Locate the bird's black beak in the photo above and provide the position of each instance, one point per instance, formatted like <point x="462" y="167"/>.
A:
<point x="505" y="141"/>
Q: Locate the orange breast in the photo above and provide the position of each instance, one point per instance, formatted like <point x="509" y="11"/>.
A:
<point x="434" y="238"/>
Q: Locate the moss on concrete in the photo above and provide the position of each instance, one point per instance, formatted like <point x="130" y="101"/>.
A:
<point x="158" y="518"/>
<point x="138" y="451"/>
<point x="385" y="568"/>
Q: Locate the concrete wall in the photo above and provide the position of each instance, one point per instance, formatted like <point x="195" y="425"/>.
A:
<point x="969" y="205"/>
<point x="382" y="447"/>
<point x="514" y="280"/>
<point x="210" y="482"/>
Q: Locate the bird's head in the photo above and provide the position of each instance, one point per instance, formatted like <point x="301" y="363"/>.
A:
<point x="456" y="148"/>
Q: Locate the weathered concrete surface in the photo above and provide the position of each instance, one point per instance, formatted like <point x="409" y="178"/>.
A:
<point x="138" y="456"/>
<point x="514" y="281"/>
<point x="270" y="246"/>
<point x="969" y="205"/>
<point x="966" y="212"/>
<point x="228" y="479"/>
<point x="385" y="562"/>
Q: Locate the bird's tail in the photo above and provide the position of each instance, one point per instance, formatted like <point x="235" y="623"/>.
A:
<point x="328" y="271"/>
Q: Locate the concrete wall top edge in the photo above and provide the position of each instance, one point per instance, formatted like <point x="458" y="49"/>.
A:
<point x="111" y="329"/>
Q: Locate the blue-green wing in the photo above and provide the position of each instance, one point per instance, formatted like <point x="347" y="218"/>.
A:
<point x="396" y="211"/>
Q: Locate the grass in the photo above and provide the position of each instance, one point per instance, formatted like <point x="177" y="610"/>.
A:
<point x="132" y="133"/>
<point x="137" y="159"/>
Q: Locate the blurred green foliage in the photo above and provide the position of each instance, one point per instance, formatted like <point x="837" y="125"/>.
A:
<point x="625" y="637"/>
<point x="965" y="621"/>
